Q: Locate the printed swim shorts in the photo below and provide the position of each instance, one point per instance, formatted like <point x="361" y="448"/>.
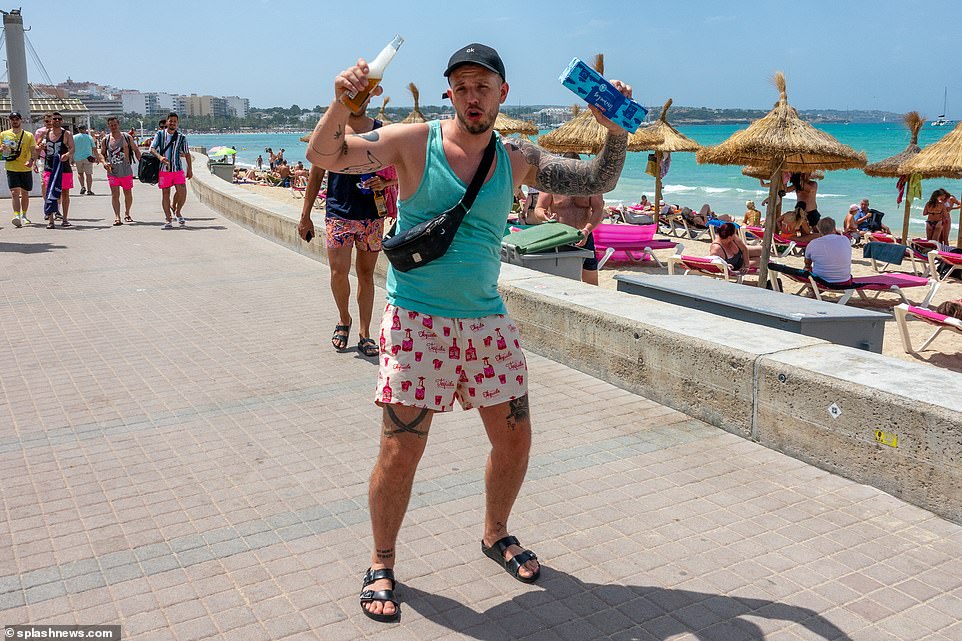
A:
<point x="366" y="235"/>
<point x="429" y="361"/>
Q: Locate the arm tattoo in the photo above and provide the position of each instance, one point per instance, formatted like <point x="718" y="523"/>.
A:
<point x="518" y="412"/>
<point x="339" y="133"/>
<point x="372" y="164"/>
<point x="557" y="175"/>
<point x="371" y="136"/>
<point x="400" y="427"/>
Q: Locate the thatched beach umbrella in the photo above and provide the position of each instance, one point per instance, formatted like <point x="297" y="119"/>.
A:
<point x="762" y="173"/>
<point x="582" y="134"/>
<point x="889" y="168"/>
<point x="661" y="138"/>
<point x="942" y="159"/>
<point x="380" y="114"/>
<point x="780" y="141"/>
<point x="507" y="126"/>
<point x="415" y="116"/>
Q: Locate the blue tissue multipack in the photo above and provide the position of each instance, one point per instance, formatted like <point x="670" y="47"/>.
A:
<point x="595" y="90"/>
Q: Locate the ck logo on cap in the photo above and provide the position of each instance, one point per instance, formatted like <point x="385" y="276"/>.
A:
<point x="471" y="50"/>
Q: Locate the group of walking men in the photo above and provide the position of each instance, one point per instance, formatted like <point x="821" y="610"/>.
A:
<point x="57" y="152"/>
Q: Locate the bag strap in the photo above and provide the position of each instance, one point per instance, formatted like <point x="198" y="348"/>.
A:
<point x="468" y="199"/>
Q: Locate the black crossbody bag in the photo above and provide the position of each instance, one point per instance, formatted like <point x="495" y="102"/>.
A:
<point x="429" y="240"/>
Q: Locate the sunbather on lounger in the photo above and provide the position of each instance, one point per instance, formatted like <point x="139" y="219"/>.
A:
<point x="829" y="256"/>
<point x="794" y="225"/>
<point x="737" y="254"/>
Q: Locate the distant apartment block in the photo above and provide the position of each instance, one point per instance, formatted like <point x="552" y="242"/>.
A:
<point x="237" y="106"/>
<point x="206" y="106"/>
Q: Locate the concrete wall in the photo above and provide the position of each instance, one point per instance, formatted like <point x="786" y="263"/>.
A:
<point x="898" y="426"/>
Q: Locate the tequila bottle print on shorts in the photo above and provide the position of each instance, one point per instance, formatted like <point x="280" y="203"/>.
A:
<point x="388" y="393"/>
<point x="470" y="354"/>
<point x="502" y="344"/>
<point x="396" y="322"/>
<point x="454" y="352"/>
<point x="408" y="343"/>
<point x="488" y="369"/>
<point x="419" y="390"/>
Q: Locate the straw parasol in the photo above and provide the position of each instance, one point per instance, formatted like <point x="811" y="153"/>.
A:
<point x="415" y="116"/>
<point x="942" y="159"/>
<point x="762" y="174"/>
<point x="661" y="138"/>
<point x="507" y="126"/>
<point x="780" y="141"/>
<point x="889" y="168"/>
<point x="582" y="134"/>
<point x="380" y="114"/>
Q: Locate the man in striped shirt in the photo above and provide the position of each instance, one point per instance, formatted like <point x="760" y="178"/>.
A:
<point x="169" y="147"/>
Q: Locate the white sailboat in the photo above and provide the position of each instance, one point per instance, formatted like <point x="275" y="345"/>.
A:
<point x="941" y="121"/>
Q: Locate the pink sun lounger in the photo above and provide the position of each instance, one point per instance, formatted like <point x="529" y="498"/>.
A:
<point x="894" y="283"/>
<point x="623" y="243"/>
<point x="707" y="265"/>
<point x="940" y="321"/>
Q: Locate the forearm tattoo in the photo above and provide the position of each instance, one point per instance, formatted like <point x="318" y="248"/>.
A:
<point x="568" y="177"/>
<point x="517" y="412"/>
<point x="397" y="426"/>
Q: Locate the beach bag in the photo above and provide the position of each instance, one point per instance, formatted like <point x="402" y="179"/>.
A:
<point x="148" y="169"/>
<point x="428" y="241"/>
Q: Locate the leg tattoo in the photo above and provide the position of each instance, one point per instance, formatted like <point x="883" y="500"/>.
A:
<point x="385" y="555"/>
<point x="400" y="426"/>
<point x="518" y="412"/>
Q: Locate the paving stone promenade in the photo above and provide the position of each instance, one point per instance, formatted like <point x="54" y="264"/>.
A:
<point x="182" y="453"/>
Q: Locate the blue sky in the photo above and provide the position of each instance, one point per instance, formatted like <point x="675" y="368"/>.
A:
<point x="840" y="54"/>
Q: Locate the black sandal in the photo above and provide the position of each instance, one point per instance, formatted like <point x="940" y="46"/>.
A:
<point x="368" y="596"/>
<point x="513" y="565"/>
<point x="368" y="347"/>
<point x="341" y="335"/>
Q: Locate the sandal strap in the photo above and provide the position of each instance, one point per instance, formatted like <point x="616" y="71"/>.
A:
<point x="520" y="559"/>
<point x="342" y="328"/>
<point x="381" y="595"/>
<point x="503" y="544"/>
<point x="376" y="575"/>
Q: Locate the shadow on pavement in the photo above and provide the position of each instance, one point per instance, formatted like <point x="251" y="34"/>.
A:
<point x="30" y="248"/>
<point x="590" y="610"/>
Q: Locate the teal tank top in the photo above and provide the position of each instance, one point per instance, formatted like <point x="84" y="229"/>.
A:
<point x="464" y="282"/>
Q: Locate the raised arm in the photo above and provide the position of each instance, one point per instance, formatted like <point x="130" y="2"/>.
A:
<point x="331" y="149"/>
<point x="567" y="177"/>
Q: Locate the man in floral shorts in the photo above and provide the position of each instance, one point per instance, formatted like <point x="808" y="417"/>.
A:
<point x="445" y="335"/>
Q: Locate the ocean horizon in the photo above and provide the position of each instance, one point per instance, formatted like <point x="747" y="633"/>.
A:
<point x="723" y="187"/>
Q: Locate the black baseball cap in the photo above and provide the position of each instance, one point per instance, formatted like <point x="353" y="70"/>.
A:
<point x="15" y="114"/>
<point x="476" y="54"/>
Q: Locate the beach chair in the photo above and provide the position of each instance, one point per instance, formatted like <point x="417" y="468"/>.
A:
<point x="714" y="266"/>
<point x="940" y="321"/>
<point x="632" y="243"/>
<point x="919" y="261"/>
<point x="782" y="246"/>
<point x="881" y="237"/>
<point x="948" y="261"/>
<point x="894" y="283"/>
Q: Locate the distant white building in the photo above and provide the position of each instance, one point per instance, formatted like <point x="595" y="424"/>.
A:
<point x="237" y="106"/>
<point x="134" y="102"/>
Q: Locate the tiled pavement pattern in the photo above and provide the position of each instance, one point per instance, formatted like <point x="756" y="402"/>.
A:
<point x="182" y="453"/>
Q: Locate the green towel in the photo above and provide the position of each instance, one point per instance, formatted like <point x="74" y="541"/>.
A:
<point x="915" y="187"/>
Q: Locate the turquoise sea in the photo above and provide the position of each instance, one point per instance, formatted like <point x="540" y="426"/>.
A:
<point x="724" y="188"/>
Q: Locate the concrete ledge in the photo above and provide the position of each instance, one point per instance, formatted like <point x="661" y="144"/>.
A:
<point x="760" y="383"/>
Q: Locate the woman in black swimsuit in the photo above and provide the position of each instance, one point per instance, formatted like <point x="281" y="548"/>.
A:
<point x="730" y="247"/>
<point x="934" y="212"/>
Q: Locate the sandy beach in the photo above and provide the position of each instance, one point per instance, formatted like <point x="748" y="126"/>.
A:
<point x="945" y="352"/>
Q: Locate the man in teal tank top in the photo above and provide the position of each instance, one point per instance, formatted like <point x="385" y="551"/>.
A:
<point x="445" y="335"/>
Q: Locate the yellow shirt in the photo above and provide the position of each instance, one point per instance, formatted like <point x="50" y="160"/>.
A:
<point x="9" y="140"/>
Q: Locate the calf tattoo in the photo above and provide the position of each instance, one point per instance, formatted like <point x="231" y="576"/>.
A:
<point x="517" y="412"/>
<point x="400" y="427"/>
<point x="569" y="177"/>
